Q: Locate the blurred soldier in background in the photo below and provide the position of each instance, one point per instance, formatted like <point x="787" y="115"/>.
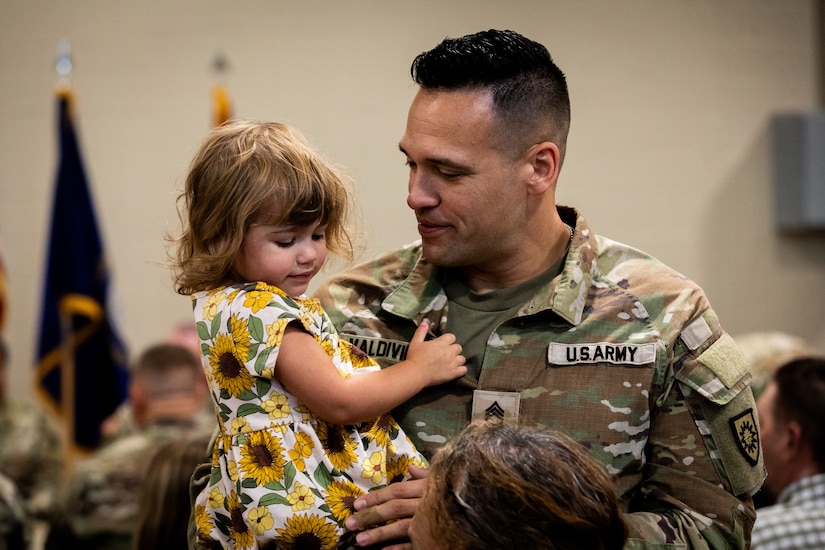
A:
<point x="102" y="499"/>
<point x="30" y="452"/>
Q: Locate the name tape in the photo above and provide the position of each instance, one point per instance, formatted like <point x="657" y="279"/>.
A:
<point x="602" y="352"/>
<point x="379" y="348"/>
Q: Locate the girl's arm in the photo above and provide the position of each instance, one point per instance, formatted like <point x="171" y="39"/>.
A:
<point x="307" y="372"/>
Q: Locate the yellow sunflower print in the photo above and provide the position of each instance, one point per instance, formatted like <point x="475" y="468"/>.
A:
<point x="301" y="498"/>
<point x="398" y="468"/>
<point x="309" y="531"/>
<point x="261" y="520"/>
<point x="277" y="406"/>
<point x="257" y="300"/>
<point x="240" y="336"/>
<point x="261" y="457"/>
<point x="312" y="306"/>
<point x="227" y="367"/>
<point x="373" y="468"/>
<point x="239" y="425"/>
<point x="339" y="446"/>
<point x="239" y="530"/>
<point x="340" y="496"/>
<point x="379" y="430"/>
<point x="326" y="345"/>
<point x="357" y="357"/>
<point x="210" y="308"/>
<point x="203" y="523"/>
<point x="275" y="332"/>
<point x="215" y="498"/>
<point x="303" y="449"/>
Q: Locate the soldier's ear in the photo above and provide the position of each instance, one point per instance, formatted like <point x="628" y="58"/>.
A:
<point x="545" y="163"/>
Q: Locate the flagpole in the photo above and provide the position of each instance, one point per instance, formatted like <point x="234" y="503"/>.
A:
<point x="221" y="104"/>
<point x="63" y="68"/>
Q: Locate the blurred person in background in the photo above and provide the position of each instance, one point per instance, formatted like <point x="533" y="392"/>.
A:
<point x="100" y="504"/>
<point x="164" y="504"/>
<point x="765" y="352"/>
<point x="792" y="419"/>
<point x="122" y="422"/>
<point x="30" y="452"/>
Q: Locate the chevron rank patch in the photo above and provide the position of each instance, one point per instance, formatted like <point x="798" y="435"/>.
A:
<point x="746" y="435"/>
<point x="503" y="405"/>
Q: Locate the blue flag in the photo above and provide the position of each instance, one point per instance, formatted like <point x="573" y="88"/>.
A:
<point x="81" y="366"/>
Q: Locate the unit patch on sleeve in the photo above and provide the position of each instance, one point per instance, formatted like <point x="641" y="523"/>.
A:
<point x="746" y="435"/>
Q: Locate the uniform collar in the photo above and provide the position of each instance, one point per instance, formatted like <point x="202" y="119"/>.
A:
<point x="422" y="291"/>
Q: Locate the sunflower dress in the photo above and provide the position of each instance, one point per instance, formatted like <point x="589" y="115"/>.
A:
<point x="279" y="473"/>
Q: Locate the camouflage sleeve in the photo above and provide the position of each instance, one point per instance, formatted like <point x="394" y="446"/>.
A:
<point x="704" y="460"/>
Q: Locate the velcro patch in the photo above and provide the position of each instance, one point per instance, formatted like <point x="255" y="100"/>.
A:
<point x="725" y="360"/>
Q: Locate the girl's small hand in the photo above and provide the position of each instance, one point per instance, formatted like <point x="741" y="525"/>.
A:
<point x="440" y="358"/>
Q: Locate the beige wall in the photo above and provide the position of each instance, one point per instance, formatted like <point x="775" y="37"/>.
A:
<point x="669" y="148"/>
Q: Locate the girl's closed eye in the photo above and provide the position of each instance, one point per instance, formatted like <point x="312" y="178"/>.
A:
<point x="285" y="244"/>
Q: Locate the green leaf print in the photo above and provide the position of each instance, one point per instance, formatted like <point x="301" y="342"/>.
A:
<point x="262" y="386"/>
<point x="249" y="408"/>
<point x="216" y="325"/>
<point x="223" y="523"/>
<point x="203" y="331"/>
<point x="289" y="474"/>
<point x="256" y="329"/>
<point x="322" y="475"/>
<point x="272" y="498"/>
<point x="253" y="350"/>
<point x="260" y="362"/>
<point x="247" y="395"/>
<point x="275" y="486"/>
<point x="249" y="483"/>
<point x="214" y="476"/>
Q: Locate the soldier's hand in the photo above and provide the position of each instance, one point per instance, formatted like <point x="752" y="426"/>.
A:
<point x="396" y="504"/>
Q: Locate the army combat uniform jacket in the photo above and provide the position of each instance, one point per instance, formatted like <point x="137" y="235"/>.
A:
<point x="619" y="351"/>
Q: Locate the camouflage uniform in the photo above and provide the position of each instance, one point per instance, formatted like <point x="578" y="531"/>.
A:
<point x="15" y="529"/>
<point x="619" y="351"/>
<point x="30" y="455"/>
<point x="102" y="499"/>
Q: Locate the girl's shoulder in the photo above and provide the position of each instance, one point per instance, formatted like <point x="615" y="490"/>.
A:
<point x="243" y="297"/>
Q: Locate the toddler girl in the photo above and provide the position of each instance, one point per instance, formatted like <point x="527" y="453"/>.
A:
<point x="303" y="422"/>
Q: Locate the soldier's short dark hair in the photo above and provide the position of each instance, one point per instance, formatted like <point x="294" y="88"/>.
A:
<point x="529" y="91"/>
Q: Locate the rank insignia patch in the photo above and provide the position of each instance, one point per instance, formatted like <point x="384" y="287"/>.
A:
<point x="746" y="435"/>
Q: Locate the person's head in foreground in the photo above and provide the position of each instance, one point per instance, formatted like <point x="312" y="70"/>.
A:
<point x="503" y="486"/>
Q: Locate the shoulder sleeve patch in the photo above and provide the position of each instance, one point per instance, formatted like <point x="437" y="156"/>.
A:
<point x="746" y="435"/>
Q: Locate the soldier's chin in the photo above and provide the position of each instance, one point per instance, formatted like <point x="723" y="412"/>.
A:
<point x="438" y="254"/>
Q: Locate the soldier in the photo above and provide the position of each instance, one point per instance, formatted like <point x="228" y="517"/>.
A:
<point x="560" y="326"/>
<point x="102" y="499"/>
<point x="30" y="454"/>
<point x="15" y="527"/>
